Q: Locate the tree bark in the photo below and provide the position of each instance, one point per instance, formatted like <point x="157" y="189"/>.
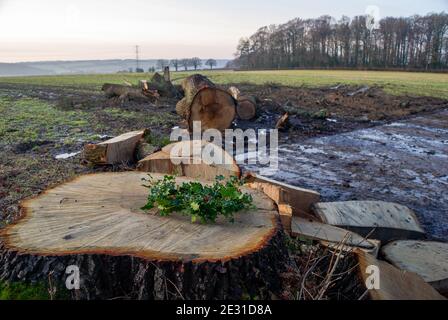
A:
<point x="94" y="222"/>
<point x="246" y="107"/>
<point x="205" y="102"/>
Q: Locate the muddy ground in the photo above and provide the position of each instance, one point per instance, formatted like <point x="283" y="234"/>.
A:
<point x="326" y="139"/>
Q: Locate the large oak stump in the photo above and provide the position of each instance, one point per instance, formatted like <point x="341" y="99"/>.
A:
<point x="205" y="102"/>
<point x="95" y="223"/>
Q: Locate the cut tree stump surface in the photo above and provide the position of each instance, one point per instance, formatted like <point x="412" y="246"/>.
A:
<point x="382" y="220"/>
<point x="100" y="213"/>
<point x="429" y="259"/>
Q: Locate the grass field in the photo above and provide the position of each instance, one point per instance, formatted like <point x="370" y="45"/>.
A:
<point x="397" y="83"/>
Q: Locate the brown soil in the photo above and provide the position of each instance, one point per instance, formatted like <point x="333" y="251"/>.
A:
<point x="330" y="110"/>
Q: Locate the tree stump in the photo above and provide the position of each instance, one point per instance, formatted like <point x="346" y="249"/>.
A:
<point x="95" y="223"/>
<point x="204" y="102"/>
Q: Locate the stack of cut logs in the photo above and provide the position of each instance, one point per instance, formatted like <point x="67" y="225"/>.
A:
<point x="214" y="107"/>
<point x="203" y="101"/>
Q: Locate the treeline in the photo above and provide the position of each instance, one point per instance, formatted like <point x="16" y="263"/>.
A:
<point x="417" y="42"/>
<point x="185" y="63"/>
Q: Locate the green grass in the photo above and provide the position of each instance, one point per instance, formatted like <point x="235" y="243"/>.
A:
<point x="26" y="120"/>
<point x="152" y="119"/>
<point x="23" y="291"/>
<point x="29" y="291"/>
<point x="397" y="83"/>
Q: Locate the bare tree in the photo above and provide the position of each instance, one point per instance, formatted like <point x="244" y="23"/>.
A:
<point x="211" y="63"/>
<point x="162" y="63"/>
<point x="175" y="63"/>
<point x="195" y="62"/>
<point x="413" y="42"/>
<point x="185" y="63"/>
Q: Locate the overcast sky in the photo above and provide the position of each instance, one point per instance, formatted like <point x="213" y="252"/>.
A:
<point x="104" y="29"/>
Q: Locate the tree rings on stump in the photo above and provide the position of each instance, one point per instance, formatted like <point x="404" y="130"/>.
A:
<point x="95" y="223"/>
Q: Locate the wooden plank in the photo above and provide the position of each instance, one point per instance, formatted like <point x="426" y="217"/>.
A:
<point x="120" y="149"/>
<point x="300" y="199"/>
<point x="429" y="259"/>
<point x="394" y="284"/>
<point x="381" y="220"/>
<point x="327" y="233"/>
<point x="349" y="249"/>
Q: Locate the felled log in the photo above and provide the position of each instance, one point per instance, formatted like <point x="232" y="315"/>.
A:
<point x="394" y="284"/>
<point x="123" y="92"/>
<point x="178" y="159"/>
<point x="331" y="236"/>
<point x="164" y="87"/>
<point x="205" y="102"/>
<point x="380" y="220"/>
<point x="118" y="150"/>
<point x="246" y="107"/>
<point x="428" y="259"/>
<point x="95" y="223"/>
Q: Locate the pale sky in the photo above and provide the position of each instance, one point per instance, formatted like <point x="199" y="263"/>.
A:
<point x="107" y="29"/>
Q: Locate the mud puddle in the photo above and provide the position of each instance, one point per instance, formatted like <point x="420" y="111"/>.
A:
<point x="404" y="162"/>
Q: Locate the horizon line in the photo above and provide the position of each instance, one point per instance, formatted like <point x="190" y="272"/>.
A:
<point x="80" y="60"/>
